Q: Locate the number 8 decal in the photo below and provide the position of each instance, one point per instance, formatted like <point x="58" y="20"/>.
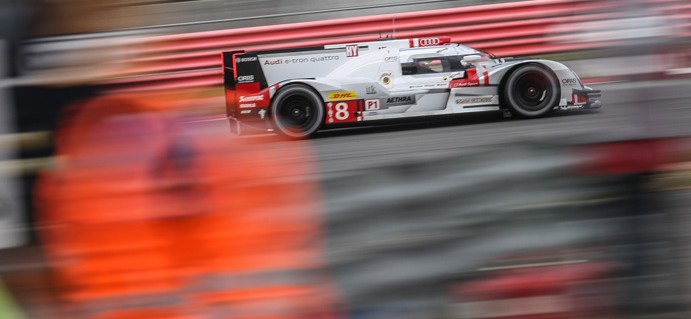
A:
<point x="342" y="113"/>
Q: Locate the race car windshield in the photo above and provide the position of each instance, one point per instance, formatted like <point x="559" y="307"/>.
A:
<point x="430" y="65"/>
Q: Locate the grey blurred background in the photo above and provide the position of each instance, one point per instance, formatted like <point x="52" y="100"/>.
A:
<point x="413" y="210"/>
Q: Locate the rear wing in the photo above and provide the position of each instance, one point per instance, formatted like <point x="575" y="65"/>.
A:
<point x="230" y="80"/>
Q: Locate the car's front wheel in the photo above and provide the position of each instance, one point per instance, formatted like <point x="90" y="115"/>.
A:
<point x="297" y="111"/>
<point x="531" y="91"/>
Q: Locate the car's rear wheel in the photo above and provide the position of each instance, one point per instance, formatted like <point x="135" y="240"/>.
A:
<point x="531" y="91"/>
<point x="297" y="111"/>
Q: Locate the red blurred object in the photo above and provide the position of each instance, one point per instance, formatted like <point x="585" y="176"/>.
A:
<point x="532" y="293"/>
<point x="627" y="157"/>
<point x="144" y="219"/>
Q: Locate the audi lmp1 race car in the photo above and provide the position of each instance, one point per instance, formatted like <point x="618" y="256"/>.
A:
<point x="301" y="91"/>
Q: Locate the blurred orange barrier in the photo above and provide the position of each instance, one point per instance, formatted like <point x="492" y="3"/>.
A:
<point x="506" y="29"/>
<point x="147" y="219"/>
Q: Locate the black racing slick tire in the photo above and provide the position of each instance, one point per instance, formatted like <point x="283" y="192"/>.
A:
<point x="297" y="111"/>
<point x="531" y="91"/>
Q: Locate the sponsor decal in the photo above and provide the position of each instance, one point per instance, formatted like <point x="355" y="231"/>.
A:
<point x="341" y="96"/>
<point x="371" y="105"/>
<point x="475" y="100"/>
<point x="316" y="59"/>
<point x="262" y="113"/>
<point x="569" y="81"/>
<point x="342" y="112"/>
<point x="324" y="58"/>
<point x="434" y="85"/>
<point x="295" y="60"/>
<point x="469" y="81"/>
<point x="273" y="62"/>
<point x="352" y="50"/>
<point x="466" y="83"/>
<point x="428" y="42"/>
<point x="245" y="78"/>
<point x="246" y="112"/>
<point x="251" y="98"/>
<point x="400" y="100"/>
<point x="371" y="89"/>
<point x="250" y="59"/>
<point x="391" y="59"/>
<point x="249" y="95"/>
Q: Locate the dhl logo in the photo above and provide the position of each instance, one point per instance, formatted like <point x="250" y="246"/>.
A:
<point x="342" y="96"/>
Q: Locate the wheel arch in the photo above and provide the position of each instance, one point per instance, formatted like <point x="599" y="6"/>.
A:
<point x="317" y="85"/>
<point x="309" y="84"/>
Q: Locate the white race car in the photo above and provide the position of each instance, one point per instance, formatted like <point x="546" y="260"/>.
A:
<point x="298" y="92"/>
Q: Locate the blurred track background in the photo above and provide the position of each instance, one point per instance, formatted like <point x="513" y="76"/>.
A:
<point x="414" y="212"/>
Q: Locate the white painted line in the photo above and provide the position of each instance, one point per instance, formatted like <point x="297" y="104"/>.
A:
<point x="679" y="71"/>
<point x="558" y="263"/>
<point x="604" y="82"/>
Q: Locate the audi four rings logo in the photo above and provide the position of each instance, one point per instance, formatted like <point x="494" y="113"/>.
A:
<point x="430" y="41"/>
<point x="425" y="42"/>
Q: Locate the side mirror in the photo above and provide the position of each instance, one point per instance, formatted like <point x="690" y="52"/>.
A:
<point x="471" y="58"/>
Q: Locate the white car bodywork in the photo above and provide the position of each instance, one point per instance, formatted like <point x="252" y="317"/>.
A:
<point x="389" y="79"/>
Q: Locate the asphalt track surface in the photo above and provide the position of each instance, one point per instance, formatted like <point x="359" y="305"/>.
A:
<point x="631" y="110"/>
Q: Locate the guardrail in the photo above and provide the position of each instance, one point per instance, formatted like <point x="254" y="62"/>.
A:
<point x="516" y="28"/>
